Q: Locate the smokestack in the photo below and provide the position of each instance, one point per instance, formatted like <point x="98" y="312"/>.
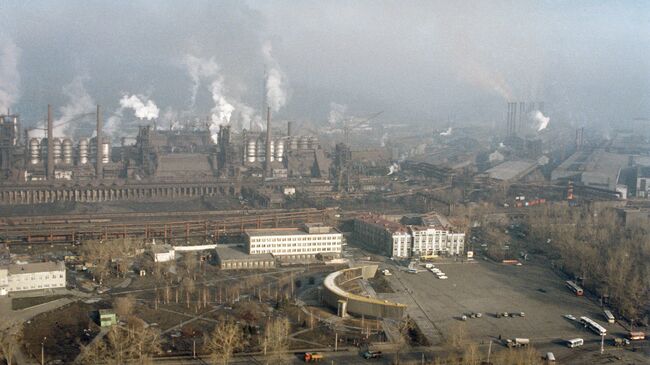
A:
<point x="50" y="145"/>
<point x="267" y="159"/>
<point x="99" y="168"/>
<point x="289" y="127"/>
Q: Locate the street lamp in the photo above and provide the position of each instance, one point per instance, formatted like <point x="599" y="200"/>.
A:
<point x="43" y="351"/>
<point x="194" y="344"/>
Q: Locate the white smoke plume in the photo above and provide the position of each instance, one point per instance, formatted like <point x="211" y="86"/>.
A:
<point x="222" y="110"/>
<point x="9" y="75"/>
<point x="146" y="109"/>
<point x="276" y="95"/>
<point x="337" y="113"/>
<point x="393" y="169"/>
<point x="384" y="139"/>
<point x="541" y="120"/>
<point x="80" y="106"/>
<point x="447" y="132"/>
<point x="198" y="70"/>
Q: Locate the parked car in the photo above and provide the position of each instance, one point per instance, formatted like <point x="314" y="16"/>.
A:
<point x="371" y="354"/>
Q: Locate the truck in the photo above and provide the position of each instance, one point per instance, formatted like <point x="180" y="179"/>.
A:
<point x="313" y="356"/>
<point x="620" y="342"/>
<point x="517" y="342"/>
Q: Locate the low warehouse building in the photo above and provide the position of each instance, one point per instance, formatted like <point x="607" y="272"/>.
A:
<point x="39" y="275"/>
<point x="230" y="258"/>
<point x="349" y="303"/>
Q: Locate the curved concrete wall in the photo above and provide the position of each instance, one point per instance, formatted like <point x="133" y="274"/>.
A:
<point x="356" y="304"/>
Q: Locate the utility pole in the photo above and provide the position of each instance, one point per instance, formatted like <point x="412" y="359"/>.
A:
<point x="336" y="341"/>
<point x="489" y="352"/>
<point x="43" y="351"/>
<point x="602" y="344"/>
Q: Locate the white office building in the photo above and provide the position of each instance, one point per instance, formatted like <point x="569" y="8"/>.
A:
<point x="295" y="243"/>
<point x="435" y="241"/>
<point x="35" y="276"/>
<point x="386" y="236"/>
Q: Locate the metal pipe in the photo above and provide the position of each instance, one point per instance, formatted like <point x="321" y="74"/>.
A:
<point x="98" y="161"/>
<point x="50" y="144"/>
<point x="267" y="160"/>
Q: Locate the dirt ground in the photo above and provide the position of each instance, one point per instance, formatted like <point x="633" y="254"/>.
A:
<point x="63" y="331"/>
<point x="27" y="302"/>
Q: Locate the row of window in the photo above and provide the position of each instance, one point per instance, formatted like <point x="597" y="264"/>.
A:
<point x="298" y="238"/>
<point x="46" y="277"/>
<point x="324" y="249"/>
<point x="37" y="287"/>
<point x="272" y="245"/>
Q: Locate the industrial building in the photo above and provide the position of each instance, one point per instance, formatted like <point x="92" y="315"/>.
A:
<point x="429" y="236"/>
<point x="295" y="243"/>
<point x="232" y="258"/>
<point x="390" y="238"/>
<point x="33" y="276"/>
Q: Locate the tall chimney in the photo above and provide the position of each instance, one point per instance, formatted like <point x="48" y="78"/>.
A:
<point x="50" y="144"/>
<point x="98" y="167"/>
<point x="289" y="128"/>
<point x="267" y="158"/>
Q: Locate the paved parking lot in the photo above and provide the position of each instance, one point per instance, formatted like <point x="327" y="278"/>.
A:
<point x="489" y="288"/>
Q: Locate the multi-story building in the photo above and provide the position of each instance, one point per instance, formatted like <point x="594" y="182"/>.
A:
<point x="402" y="241"/>
<point x="388" y="237"/>
<point x="40" y="275"/>
<point x="429" y="241"/>
<point x="295" y="243"/>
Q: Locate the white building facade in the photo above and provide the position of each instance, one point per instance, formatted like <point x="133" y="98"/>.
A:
<point x="295" y="243"/>
<point x="433" y="241"/>
<point x="40" y="275"/>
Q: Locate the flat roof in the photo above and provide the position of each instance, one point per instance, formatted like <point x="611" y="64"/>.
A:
<point x="15" y="269"/>
<point x="285" y="232"/>
<point x="226" y="253"/>
<point x="510" y="170"/>
<point x="378" y="221"/>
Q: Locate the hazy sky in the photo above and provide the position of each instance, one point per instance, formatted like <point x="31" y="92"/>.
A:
<point x="589" y="61"/>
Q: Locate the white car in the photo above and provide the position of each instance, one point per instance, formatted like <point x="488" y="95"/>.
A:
<point x="442" y="277"/>
<point x="434" y="270"/>
<point x="570" y="317"/>
<point x="440" y="273"/>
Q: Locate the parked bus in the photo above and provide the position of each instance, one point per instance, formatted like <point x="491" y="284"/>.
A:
<point x="593" y="326"/>
<point x="574" y="287"/>
<point x="575" y="342"/>
<point x="636" y="336"/>
<point x="609" y="316"/>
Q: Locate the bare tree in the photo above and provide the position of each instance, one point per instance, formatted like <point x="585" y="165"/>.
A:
<point x="124" y="306"/>
<point x="226" y="338"/>
<point x="276" y="338"/>
<point x="189" y="288"/>
<point x="9" y="341"/>
<point x="190" y="263"/>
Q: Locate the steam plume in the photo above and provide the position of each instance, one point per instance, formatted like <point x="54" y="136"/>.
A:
<point x="79" y="104"/>
<point x="276" y="95"/>
<point x="146" y="109"/>
<point x="447" y="132"/>
<point x="541" y="120"/>
<point x="222" y="110"/>
<point x="337" y="113"/>
<point x="198" y="69"/>
<point x="9" y="76"/>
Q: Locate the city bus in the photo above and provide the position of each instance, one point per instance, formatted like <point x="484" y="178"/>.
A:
<point x="574" y="287"/>
<point x="593" y="326"/>
<point x="636" y="336"/>
<point x="609" y="316"/>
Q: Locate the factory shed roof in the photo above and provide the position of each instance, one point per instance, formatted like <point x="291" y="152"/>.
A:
<point x="285" y="232"/>
<point x="379" y="221"/>
<point x="511" y="170"/>
<point x="180" y="164"/>
<point x="226" y="253"/>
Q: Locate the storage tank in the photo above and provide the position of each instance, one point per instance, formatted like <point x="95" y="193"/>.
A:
<point x="303" y="143"/>
<point x="313" y="142"/>
<point x="34" y="153"/>
<point x="279" y="150"/>
<point x="272" y="154"/>
<point x="56" y="150"/>
<point x="43" y="148"/>
<point x="83" y="151"/>
<point x="92" y="150"/>
<point x="251" y="150"/>
<point x="261" y="149"/>
<point x="106" y="152"/>
<point x="293" y="143"/>
<point x="67" y="151"/>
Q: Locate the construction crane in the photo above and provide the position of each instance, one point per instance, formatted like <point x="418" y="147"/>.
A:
<point x="349" y="124"/>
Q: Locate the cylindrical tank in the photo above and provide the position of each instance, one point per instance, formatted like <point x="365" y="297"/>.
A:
<point x="293" y="143"/>
<point x="313" y="142"/>
<point x="106" y="152"/>
<point x="67" y="151"/>
<point x="43" y="148"/>
<point x="261" y="149"/>
<point x="56" y="150"/>
<point x="34" y="153"/>
<point x="251" y="150"/>
<point x="92" y="150"/>
<point x="83" y="151"/>
<point x="279" y="150"/>
<point x="303" y="143"/>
